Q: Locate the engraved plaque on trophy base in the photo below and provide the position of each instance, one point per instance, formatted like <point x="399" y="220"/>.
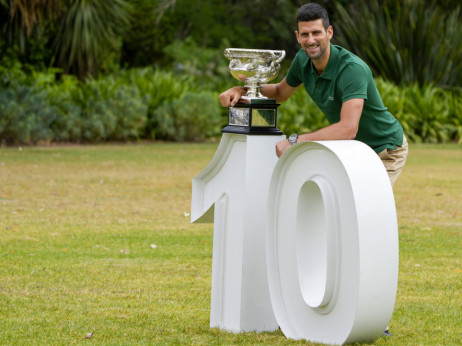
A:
<point x="259" y="117"/>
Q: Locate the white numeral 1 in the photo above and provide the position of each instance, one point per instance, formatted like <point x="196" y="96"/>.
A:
<point x="233" y="191"/>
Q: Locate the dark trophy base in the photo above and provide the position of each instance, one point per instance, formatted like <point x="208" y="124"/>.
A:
<point x="255" y="118"/>
<point x="245" y="130"/>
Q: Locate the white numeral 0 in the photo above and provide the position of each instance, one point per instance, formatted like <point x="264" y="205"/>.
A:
<point x="332" y="244"/>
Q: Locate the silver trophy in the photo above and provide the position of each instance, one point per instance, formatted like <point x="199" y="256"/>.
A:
<point x="254" y="67"/>
<point x="257" y="114"/>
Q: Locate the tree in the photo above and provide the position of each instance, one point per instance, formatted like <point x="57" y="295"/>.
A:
<point x="405" y="42"/>
<point x="89" y="31"/>
<point x="23" y="20"/>
<point x="81" y="33"/>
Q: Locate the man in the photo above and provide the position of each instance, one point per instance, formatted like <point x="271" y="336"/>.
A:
<point x="342" y="86"/>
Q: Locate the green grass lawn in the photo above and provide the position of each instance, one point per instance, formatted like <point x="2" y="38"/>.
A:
<point x="97" y="239"/>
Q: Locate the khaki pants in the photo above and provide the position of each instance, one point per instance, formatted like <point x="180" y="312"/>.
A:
<point x="394" y="160"/>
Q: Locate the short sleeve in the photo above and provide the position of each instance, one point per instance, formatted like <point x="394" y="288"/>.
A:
<point x="352" y="82"/>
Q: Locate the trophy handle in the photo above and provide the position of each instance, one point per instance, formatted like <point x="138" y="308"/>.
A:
<point x="283" y="54"/>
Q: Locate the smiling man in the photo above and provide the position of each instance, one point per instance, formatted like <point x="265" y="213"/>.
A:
<point x="342" y="86"/>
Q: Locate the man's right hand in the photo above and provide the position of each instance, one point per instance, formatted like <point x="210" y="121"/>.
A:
<point x="232" y="96"/>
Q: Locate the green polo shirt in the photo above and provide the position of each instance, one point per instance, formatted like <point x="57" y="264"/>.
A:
<point x="347" y="77"/>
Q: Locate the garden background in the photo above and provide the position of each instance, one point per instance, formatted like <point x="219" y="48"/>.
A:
<point x="129" y="70"/>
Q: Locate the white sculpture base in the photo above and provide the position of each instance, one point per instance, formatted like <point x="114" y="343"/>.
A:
<point x="233" y="191"/>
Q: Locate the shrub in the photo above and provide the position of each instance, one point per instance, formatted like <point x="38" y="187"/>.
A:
<point x="299" y="114"/>
<point x="394" y="99"/>
<point x="193" y="117"/>
<point x="112" y="111"/>
<point x="68" y="125"/>
<point x="208" y="66"/>
<point x="455" y="115"/>
<point x="98" y="110"/>
<point x="25" y="115"/>
<point x="11" y="74"/>
<point x="159" y="87"/>
<point x="427" y="112"/>
<point x="148" y="103"/>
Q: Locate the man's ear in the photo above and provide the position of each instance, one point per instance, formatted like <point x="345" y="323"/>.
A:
<point x="296" y="35"/>
<point x="330" y="32"/>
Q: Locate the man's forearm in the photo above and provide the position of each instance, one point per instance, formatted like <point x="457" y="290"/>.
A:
<point x="332" y="132"/>
<point x="346" y="128"/>
<point x="335" y="131"/>
<point x="269" y="90"/>
<point x="280" y="91"/>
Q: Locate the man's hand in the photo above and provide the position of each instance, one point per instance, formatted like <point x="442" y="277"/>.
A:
<point x="282" y="146"/>
<point x="232" y="96"/>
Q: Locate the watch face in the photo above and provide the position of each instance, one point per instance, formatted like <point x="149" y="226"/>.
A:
<point x="293" y="139"/>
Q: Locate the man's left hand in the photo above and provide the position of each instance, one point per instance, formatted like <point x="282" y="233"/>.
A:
<point x="282" y="146"/>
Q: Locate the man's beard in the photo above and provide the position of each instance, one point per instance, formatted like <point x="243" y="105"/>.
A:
<point x="315" y="56"/>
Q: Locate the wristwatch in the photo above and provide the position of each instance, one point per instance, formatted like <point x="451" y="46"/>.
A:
<point x="293" y="139"/>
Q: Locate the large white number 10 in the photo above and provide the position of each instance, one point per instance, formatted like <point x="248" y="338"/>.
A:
<point x="308" y="242"/>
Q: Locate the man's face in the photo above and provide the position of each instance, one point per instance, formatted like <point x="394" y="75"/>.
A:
<point x="313" y="38"/>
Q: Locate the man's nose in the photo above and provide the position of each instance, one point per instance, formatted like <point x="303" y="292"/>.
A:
<point x="310" y="40"/>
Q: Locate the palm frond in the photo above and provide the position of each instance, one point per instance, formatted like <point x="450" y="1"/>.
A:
<point x="404" y="42"/>
<point x="89" y="30"/>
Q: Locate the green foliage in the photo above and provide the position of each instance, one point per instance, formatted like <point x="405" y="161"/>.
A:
<point x="405" y="42"/>
<point x="111" y="111"/>
<point x="146" y="38"/>
<point x="148" y="103"/>
<point x="208" y="65"/>
<point x="25" y="115"/>
<point x="428" y="114"/>
<point x="130" y="105"/>
<point x="299" y="114"/>
<point x="25" y="27"/>
<point x="89" y="30"/>
<point x="160" y="87"/>
<point x="89" y="36"/>
<point x="455" y="114"/>
<point x="104" y="109"/>
<point x="194" y="117"/>
<point x="11" y="73"/>
<point x="81" y="37"/>
<point x="416" y="44"/>
<point x="245" y="23"/>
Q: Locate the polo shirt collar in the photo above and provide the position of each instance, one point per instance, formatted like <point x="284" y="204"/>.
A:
<point x="330" y="68"/>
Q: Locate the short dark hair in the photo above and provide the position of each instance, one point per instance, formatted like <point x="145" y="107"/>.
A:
<point x="312" y="11"/>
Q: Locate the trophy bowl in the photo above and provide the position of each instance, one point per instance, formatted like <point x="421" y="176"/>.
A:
<point x="254" y="67"/>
